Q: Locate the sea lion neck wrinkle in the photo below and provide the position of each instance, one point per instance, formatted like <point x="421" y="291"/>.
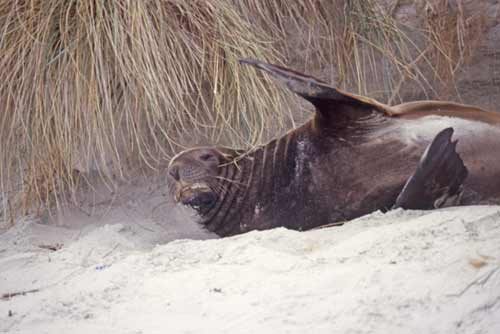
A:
<point x="271" y="184"/>
<point x="241" y="183"/>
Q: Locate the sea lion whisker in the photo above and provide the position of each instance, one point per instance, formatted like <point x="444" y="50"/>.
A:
<point x="230" y="181"/>
<point x="217" y="187"/>
<point x="223" y="189"/>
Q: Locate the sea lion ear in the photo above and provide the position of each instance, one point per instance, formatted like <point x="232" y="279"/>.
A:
<point x="328" y="100"/>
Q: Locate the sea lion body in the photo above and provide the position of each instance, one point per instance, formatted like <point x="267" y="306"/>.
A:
<point x="335" y="168"/>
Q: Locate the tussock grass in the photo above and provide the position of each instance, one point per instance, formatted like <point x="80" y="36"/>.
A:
<point x="101" y="85"/>
<point x="452" y="37"/>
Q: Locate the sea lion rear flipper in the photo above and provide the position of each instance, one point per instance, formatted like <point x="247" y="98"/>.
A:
<point x="438" y="178"/>
<point x="329" y="101"/>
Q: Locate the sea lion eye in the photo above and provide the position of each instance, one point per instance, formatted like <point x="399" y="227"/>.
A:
<point x="206" y="156"/>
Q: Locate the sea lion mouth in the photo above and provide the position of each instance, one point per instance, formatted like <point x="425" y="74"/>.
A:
<point x="197" y="196"/>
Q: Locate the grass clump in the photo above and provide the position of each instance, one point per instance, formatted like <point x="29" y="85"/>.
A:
<point x="100" y="84"/>
<point x="105" y="86"/>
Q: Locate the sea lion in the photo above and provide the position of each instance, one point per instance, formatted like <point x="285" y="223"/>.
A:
<point x="354" y="156"/>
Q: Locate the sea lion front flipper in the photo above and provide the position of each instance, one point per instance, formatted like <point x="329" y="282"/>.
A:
<point x="438" y="178"/>
<point x="334" y="104"/>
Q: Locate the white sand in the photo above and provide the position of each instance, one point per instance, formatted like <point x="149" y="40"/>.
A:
<point x="402" y="272"/>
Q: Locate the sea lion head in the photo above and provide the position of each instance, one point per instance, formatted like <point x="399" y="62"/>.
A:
<point x="194" y="176"/>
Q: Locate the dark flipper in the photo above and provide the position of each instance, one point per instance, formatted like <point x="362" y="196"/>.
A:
<point x="332" y="103"/>
<point x="438" y="178"/>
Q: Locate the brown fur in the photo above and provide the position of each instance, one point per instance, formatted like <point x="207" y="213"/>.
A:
<point x="350" y="159"/>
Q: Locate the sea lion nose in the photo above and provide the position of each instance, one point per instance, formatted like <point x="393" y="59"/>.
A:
<point x="173" y="171"/>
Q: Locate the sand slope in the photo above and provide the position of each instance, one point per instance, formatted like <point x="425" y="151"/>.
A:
<point x="402" y="272"/>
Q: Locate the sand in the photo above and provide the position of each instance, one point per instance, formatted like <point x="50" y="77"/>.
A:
<point x="400" y="272"/>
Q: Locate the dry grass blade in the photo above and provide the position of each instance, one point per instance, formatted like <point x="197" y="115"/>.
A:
<point x="99" y="85"/>
<point x="452" y="36"/>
